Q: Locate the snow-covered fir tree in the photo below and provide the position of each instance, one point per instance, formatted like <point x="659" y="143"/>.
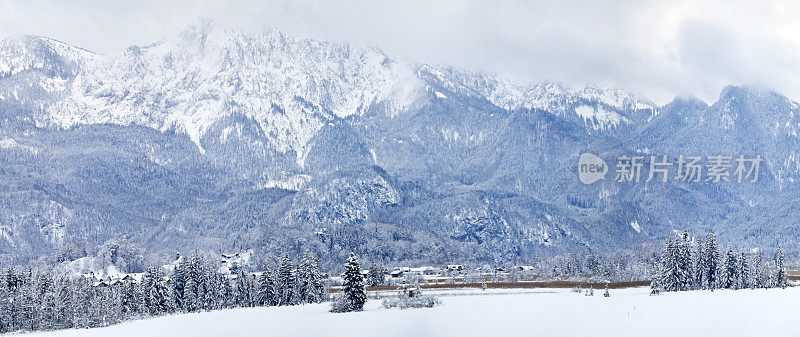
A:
<point x="226" y="293"/>
<point x="376" y="275"/>
<point x="65" y="306"/>
<point x="130" y="300"/>
<point x="311" y="288"/>
<point x="780" y="279"/>
<point x="198" y="275"/>
<point x="684" y="261"/>
<point x="655" y="283"/>
<point x="266" y="289"/>
<point x="354" y="294"/>
<point x="759" y="276"/>
<point x="730" y="270"/>
<point x="699" y="267"/>
<point x="711" y="261"/>
<point x="286" y="282"/>
<point x="243" y="295"/>
<point x="156" y="298"/>
<point x="178" y="283"/>
<point x="191" y="302"/>
<point x="743" y="273"/>
<point x="670" y="274"/>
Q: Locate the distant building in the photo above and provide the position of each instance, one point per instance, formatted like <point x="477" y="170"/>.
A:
<point x="425" y="270"/>
<point x="455" y="267"/>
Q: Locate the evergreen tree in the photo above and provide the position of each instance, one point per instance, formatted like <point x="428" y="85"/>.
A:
<point x="226" y="293"/>
<point x="129" y="300"/>
<point x="376" y="275"/>
<point x="759" y="277"/>
<point x="303" y="275"/>
<point x="711" y="261"/>
<point x="244" y="289"/>
<point x="286" y="282"/>
<point x="46" y="312"/>
<point x="156" y="294"/>
<point x="64" y="305"/>
<point x="699" y="267"/>
<point x="178" y="285"/>
<point x="729" y="271"/>
<point x="213" y="295"/>
<point x="353" y="290"/>
<point x="684" y="261"/>
<point x="311" y="288"/>
<point x="199" y="275"/>
<point x="655" y="283"/>
<point x="780" y="271"/>
<point x="274" y="294"/>
<point x="191" y="302"/>
<point x="82" y="299"/>
<point x="744" y="272"/>
<point x="263" y="293"/>
<point x="95" y="313"/>
<point x="670" y="275"/>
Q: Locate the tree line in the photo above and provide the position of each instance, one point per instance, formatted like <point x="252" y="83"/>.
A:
<point x="33" y="300"/>
<point x="687" y="264"/>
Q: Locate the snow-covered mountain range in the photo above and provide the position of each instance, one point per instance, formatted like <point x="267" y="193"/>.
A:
<point x="218" y="139"/>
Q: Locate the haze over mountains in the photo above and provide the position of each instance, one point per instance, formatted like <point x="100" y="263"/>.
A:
<point x="222" y="140"/>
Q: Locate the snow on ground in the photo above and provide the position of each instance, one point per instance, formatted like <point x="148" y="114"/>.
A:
<point x="537" y="312"/>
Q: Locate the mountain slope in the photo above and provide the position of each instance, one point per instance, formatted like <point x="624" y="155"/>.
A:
<point x="222" y="140"/>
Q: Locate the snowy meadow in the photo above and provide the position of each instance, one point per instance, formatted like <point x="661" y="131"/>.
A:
<point x="507" y="312"/>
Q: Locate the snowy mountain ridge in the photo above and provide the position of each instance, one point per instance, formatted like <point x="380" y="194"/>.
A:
<point x="290" y="86"/>
<point x="225" y="141"/>
<point x="24" y="53"/>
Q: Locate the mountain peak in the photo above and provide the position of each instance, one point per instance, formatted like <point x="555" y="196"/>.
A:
<point x="688" y="100"/>
<point x="29" y="52"/>
<point x="291" y="86"/>
<point x="616" y="97"/>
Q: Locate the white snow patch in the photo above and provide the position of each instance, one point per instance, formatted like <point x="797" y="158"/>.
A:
<point x="10" y="143"/>
<point x="635" y="226"/>
<point x="53" y="84"/>
<point x="295" y="182"/>
<point x="540" y="312"/>
<point x="88" y="266"/>
<point x="7" y="233"/>
<point x="440" y="95"/>
<point x="599" y="118"/>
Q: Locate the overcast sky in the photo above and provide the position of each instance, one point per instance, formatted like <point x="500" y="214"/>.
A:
<point x="660" y="49"/>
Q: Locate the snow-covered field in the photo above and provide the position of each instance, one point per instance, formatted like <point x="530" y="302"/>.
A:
<point x="538" y="312"/>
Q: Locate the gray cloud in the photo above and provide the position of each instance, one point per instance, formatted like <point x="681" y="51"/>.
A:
<point x="658" y="48"/>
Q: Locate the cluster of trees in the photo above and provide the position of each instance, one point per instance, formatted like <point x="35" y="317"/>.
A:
<point x="376" y="275"/>
<point x="624" y="265"/>
<point x="691" y="265"/>
<point x="33" y="300"/>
